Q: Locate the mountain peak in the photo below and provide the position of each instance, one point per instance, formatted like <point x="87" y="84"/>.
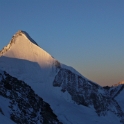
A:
<point x="23" y="47"/>
<point x="14" y="37"/>
<point x="21" y="32"/>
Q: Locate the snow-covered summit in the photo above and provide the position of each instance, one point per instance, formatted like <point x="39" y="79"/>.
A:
<point x="15" y="36"/>
<point x="23" y="54"/>
<point x="27" y="35"/>
<point x="22" y="46"/>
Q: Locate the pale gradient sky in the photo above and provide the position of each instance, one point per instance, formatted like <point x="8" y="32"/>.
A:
<point x="85" y="34"/>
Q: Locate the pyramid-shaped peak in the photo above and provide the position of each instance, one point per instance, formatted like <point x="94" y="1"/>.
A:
<point x="21" y="32"/>
<point x="14" y="39"/>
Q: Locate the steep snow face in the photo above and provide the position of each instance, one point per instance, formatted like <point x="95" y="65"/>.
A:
<point x="19" y="33"/>
<point x="23" y="47"/>
<point x="27" y="35"/>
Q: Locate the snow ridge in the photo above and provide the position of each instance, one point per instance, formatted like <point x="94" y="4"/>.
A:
<point x="27" y="35"/>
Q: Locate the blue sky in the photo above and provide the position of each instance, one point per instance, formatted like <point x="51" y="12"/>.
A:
<point x="85" y="34"/>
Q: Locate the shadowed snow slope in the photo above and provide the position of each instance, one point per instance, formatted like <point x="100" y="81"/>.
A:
<point x="73" y="98"/>
<point x="5" y="120"/>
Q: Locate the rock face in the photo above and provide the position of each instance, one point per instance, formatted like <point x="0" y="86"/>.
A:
<point x="24" y="107"/>
<point x="87" y="93"/>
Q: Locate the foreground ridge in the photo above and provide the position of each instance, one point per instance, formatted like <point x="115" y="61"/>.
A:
<point x="24" y="106"/>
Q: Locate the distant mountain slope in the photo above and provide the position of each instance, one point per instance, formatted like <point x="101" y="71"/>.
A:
<point x="73" y="98"/>
<point x="119" y="83"/>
